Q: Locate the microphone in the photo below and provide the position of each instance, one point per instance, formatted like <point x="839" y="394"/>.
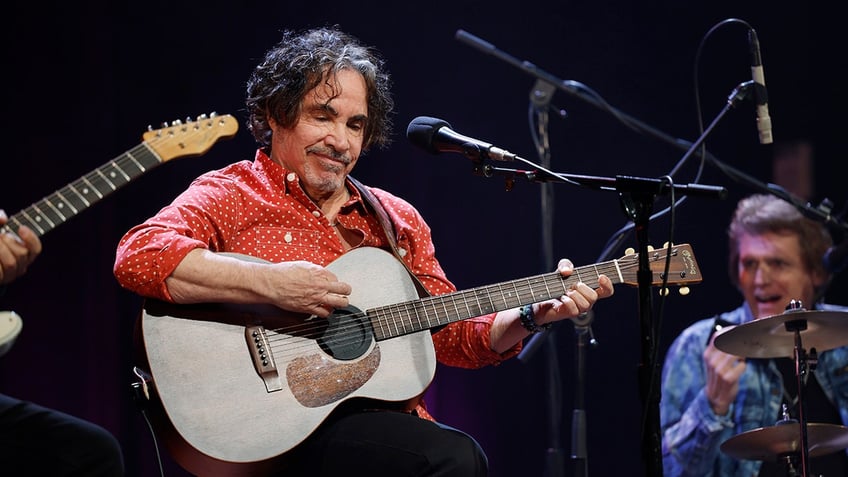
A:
<point x="435" y="136"/>
<point x="760" y="93"/>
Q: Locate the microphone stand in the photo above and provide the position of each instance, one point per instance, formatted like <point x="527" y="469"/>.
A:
<point x="637" y="198"/>
<point x="540" y="100"/>
<point x="579" y="447"/>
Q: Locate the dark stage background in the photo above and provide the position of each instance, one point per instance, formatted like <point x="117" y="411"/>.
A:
<point x="84" y="81"/>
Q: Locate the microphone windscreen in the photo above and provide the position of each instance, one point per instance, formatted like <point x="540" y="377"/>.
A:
<point x="422" y="130"/>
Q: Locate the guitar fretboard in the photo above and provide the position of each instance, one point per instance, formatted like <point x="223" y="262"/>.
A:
<point x="55" y="209"/>
<point x="410" y="317"/>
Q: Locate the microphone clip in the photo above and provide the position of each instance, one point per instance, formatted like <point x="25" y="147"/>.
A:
<point x="741" y="92"/>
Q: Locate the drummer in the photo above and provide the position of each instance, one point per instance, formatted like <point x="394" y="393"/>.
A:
<point x="709" y="396"/>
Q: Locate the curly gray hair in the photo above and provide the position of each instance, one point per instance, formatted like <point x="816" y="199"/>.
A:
<point x="299" y="63"/>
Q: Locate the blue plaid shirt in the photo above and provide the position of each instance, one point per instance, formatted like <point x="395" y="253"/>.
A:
<point x="693" y="433"/>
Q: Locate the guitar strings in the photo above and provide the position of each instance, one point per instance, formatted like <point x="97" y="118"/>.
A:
<point x="294" y="339"/>
<point x="139" y="159"/>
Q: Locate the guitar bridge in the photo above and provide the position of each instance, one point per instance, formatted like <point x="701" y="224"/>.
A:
<point x="257" y="343"/>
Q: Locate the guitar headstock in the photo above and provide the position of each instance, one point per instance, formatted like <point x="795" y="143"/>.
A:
<point x="190" y="138"/>
<point x="682" y="267"/>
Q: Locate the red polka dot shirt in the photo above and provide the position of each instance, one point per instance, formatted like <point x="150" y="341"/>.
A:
<point x="258" y="208"/>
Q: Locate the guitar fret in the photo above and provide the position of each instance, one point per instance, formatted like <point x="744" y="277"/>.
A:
<point x="618" y="271"/>
<point x="412" y="314"/>
<point x="33" y="223"/>
<point x="396" y="319"/>
<point x="91" y="187"/>
<point x="447" y="313"/>
<point x="138" y="164"/>
<point x="79" y="194"/>
<point x="42" y="215"/>
<point x="382" y="322"/>
<point x="105" y="179"/>
<point x="62" y="197"/>
<point x="420" y="310"/>
<point x="56" y="209"/>
<point x="116" y="166"/>
<point x="547" y="289"/>
<point x="403" y="319"/>
<point x="435" y="313"/>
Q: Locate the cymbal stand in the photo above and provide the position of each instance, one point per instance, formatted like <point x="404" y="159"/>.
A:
<point x="789" y="459"/>
<point x="802" y="367"/>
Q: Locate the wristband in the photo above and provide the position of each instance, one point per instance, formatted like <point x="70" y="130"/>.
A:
<point x="527" y="317"/>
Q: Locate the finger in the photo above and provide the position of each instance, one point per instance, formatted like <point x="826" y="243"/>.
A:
<point x="339" y="288"/>
<point x="580" y="301"/>
<point x="565" y="267"/>
<point x="31" y="241"/>
<point x="606" y="288"/>
<point x="335" y="300"/>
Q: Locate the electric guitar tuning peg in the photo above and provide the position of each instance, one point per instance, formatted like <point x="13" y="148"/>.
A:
<point x="629" y="251"/>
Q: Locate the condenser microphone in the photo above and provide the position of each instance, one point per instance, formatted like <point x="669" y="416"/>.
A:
<point x="760" y="93"/>
<point x="435" y="136"/>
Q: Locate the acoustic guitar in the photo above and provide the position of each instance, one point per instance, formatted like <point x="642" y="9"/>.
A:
<point x="233" y="388"/>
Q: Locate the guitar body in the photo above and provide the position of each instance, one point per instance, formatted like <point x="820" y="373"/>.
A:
<point x="10" y="327"/>
<point x="223" y="417"/>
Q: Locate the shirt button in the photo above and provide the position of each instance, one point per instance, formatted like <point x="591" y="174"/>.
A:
<point x="288" y="237"/>
<point x="402" y="252"/>
<point x="291" y="176"/>
<point x="316" y="213"/>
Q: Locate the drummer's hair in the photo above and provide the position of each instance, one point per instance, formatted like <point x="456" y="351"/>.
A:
<point x="761" y="213"/>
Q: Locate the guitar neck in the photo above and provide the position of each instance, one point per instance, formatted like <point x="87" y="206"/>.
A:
<point x="431" y="312"/>
<point x="55" y="209"/>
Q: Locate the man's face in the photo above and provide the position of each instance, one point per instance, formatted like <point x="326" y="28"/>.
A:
<point x="772" y="273"/>
<point x="325" y="143"/>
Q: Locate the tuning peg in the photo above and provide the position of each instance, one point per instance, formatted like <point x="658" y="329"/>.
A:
<point x="664" y="292"/>
<point x="650" y="248"/>
<point x="683" y="291"/>
<point x="667" y="244"/>
<point x="630" y="251"/>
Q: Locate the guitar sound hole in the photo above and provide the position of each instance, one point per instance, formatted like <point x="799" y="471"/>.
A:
<point x="348" y="334"/>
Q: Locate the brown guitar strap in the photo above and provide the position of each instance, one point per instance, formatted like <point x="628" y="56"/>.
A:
<point x="388" y="229"/>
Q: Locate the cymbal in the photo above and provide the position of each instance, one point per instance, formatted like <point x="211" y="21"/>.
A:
<point x="769" y="338"/>
<point x="769" y="443"/>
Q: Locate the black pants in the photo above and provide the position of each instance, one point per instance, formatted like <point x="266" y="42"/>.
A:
<point x="388" y="443"/>
<point x="37" y="441"/>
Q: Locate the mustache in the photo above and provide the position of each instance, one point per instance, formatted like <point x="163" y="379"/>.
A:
<point x="330" y="152"/>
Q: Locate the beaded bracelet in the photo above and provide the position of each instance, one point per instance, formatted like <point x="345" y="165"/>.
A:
<point x="528" y="321"/>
